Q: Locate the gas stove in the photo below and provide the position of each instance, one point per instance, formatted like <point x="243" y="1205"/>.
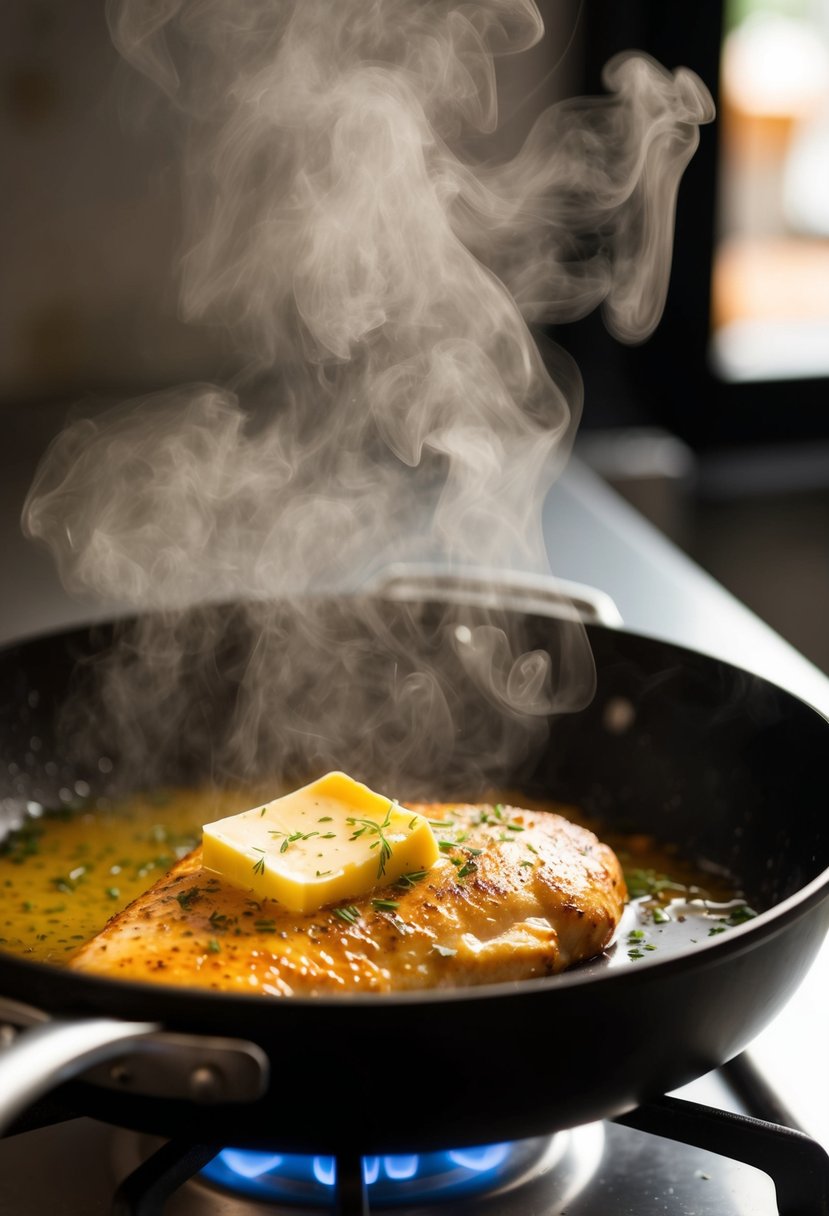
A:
<point x="691" y="1154"/>
<point x="715" y="1148"/>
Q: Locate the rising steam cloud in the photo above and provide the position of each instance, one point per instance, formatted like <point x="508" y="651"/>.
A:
<point x="378" y="282"/>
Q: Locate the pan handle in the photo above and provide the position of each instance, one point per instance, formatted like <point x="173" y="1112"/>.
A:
<point x="548" y="596"/>
<point x="130" y="1057"/>
<point x="39" y="1059"/>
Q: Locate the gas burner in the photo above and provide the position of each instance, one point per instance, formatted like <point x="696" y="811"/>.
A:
<point x="563" y="1165"/>
<point x="411" y="1178"/>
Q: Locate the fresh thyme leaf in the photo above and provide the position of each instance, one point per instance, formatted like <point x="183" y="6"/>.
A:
<point x="516" y="827"/>
<point x="385" y="905"/>
<point x="377" y="829"/>
<point x="348" y="913"/>
<point x="409" y="880"/>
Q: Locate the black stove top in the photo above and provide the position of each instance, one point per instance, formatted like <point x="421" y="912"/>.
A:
<point x="691" y="1154"/>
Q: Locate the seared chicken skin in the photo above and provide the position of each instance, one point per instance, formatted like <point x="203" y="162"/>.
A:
<point x="516" y="894"/>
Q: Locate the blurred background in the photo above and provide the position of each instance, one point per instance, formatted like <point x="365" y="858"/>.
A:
<point x="717" y="428"/>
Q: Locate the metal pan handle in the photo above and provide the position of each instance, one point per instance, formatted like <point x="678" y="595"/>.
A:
<point x="543" y="594"/>
<point x="38" y="1060"/>
<point x="132" y="1057"/>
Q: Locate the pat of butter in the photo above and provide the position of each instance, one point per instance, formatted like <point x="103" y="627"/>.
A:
<point x="331" y="840"/>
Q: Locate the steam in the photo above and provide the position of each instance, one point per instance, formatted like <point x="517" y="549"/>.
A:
<point x="378" y="283"/>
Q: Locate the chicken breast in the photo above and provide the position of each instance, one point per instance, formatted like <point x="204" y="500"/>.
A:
<point x="516" y="894"/>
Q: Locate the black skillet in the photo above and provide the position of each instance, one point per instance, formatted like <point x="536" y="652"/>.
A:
<point x="691" y="749"/>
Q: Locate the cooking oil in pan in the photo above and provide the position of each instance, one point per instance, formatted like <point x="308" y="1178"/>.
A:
<point x="64" y="873"/>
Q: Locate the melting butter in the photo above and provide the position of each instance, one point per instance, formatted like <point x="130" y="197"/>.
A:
<point x="332" y="840"/>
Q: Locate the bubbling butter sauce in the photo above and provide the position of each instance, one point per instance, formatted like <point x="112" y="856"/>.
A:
<point x="63" y="874"/>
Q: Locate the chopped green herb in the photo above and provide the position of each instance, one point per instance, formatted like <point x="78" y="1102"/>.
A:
<point x="717" y="929"/>
<point x="374" y="828"/>
<point x="648" y="882"/>
<point x="186" y="899"/>
<point x="259" y="866"/>
<point x="469" y="868"/>
<point x="348" y="913"/>
<point x="739" y="916"/>
<point x="325" y="819"/>
<point x="323" y="873"/>
<point x="409" y="880"/>
<point x="526" y="865"/>
<point x="636" y="935"/>
<point x="635" y="954"/>
<point x="213" y="946"/>
<point x="385" y="905"/>
<point x="291" y="838"/>
<point x="660" y="916"/>
<point x="113" y="892"/>
<point x="516" y="827"/>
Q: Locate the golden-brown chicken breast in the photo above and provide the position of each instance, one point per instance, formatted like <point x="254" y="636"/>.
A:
<point x="515" y="894"/>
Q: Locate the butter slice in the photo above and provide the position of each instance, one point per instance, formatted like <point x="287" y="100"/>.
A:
<point x="332" y="840"/>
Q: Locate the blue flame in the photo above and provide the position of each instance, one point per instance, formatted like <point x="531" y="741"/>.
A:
<point x="310" y="1181"/>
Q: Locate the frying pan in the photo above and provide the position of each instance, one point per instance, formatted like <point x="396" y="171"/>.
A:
<point x="726" y="765"/>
